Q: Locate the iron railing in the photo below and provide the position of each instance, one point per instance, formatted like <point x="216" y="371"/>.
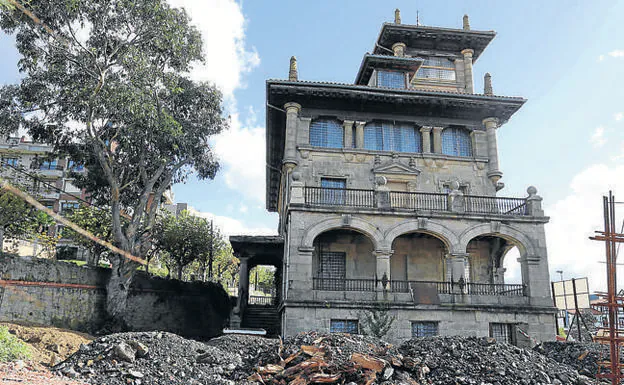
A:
<point x="419" y="201"/>
<point x="339" y="197"/>
<point x="495" y="205"/>
<point x="442" y="287"/>
<point x="329" y="196"/>
<point x="261" y="300"/>
<point x="344" y="284"/>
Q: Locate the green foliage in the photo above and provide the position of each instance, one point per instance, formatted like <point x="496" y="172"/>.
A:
<point x="111" y="88"/>
<point x="265" y="278"/>
<point x="11" y="348"/>
<point x="98" y="222"/>
<point x="377" y="321"/>
<point x="19" y="220"/>
<point x="183" y="238"/>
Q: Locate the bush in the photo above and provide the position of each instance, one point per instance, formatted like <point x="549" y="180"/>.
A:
<point x="11" y="348"/>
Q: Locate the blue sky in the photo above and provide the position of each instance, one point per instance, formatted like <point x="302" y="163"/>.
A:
<point x="565" y="57"/>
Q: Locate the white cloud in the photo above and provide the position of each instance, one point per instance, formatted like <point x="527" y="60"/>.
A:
<point x="243" y="209"/>
<point x="601" y="57"/>
<point x="616" y="53"/>
<point x="241" y="149"/>
<point x="618" y="116"/>
<point x="597" y="138"/>
<point x="230" y="226"/>
<point x="222" y="25"/>
<point x="575" y="218"/>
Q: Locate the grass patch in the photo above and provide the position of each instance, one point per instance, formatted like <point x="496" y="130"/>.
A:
<point x="12" y="348"/>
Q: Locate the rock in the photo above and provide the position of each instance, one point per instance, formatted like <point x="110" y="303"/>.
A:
<point x="53" y="348"/>
<point x="125" y="352"/>
<point x="135" y="373"/>
<point x="140" y="348"/>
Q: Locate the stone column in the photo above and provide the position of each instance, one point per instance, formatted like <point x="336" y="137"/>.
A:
<point x="383" y="268"/>
<point x="479" y="144"/>
<point x="290" y="146"/>
<point x="491" y="124"/>
<point x="456" y="265"/>
<point x="347" y="127"/>
<point x="243" y="291"/>
<point x="297" y="188"/>
<point x="359" y="134"/>
<point x="499" y="275"/>
<point x="425" y="132"/>
<point x="459" y="74"/>
<point x="468" y="69"/>
<point x="437" y="139"/>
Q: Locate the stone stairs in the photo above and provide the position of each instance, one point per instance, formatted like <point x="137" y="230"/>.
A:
<point x="262" y="316"/>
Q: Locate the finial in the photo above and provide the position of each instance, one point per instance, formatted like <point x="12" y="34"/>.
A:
<point x="292" y="73"/>
<point x="466" y="23"/>
<point x="487" y="84"/>
<point x="397" y="16"/>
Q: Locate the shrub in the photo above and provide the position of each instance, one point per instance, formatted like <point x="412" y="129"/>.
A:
<point x="11" y="348"/>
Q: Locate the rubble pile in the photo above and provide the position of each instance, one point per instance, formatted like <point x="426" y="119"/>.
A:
<point x="310" y="358"/>
<point x="582" y="356"/>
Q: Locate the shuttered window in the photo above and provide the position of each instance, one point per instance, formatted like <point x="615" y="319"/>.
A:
<point x="391" y="79"/>
<point x="326" y="133"/>
<point x="424" y="329"/>
<point x="388" y="136"/>
<point x="456" y="141"/>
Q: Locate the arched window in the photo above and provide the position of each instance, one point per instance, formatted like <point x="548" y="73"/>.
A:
<point x="388" y="136"/>
<point x="456" y="141"/>
<point x="326" y="133"/>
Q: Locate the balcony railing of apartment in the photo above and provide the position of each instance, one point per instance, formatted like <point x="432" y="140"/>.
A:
<point x="321" y="196"/>
<point x="496" y="289"/>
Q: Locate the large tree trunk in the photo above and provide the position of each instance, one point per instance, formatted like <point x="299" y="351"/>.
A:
<point x="1" y="240"/>
<point x="118" y="286"/>
<point x="180" y="267"/>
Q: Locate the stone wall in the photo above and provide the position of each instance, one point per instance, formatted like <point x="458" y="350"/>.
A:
<point x="66" y="295"/>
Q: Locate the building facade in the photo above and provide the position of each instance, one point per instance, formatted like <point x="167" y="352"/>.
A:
<point x="386" y="191"/>
<point x="30" y="165"/>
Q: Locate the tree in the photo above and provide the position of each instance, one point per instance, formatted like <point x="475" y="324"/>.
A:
<point x="98" y="222"/>
<point x="183" y="238"/>
<point x="18" y="220"/>
<point x="110" y="87"/>
<point x="377" y="321"/>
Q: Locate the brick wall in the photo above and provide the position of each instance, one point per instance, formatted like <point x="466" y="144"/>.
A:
<point x="65" y="295"/>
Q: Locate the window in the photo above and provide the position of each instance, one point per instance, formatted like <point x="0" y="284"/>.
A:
<point x="436" y="68"/>
<point x="344" y="326"/>
<point x="331" y="270"/>
<point x="386" y="136"/>
<point x="424" y="329"/>
<point x="502" y="332"/>
<point x="10" y="162"/>
<point x="49" y="165"/>
<point x="68" y="207"/>
<point x="456" y="141"/>
<point x="391" y="79"/>
<point x="74" y="166"/>
<point x="326" y="133"/>
<point x="333" y="191"/>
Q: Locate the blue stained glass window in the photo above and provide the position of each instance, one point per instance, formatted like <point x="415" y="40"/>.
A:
<point x="326" y="133"/>
<point x="391" y="79"/>
<point x="386" y="136"/>
<point x="343" y="326"/>
<point x="456" y="141"/>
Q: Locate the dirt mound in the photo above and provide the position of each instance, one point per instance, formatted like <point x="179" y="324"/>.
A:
<point x="310" y="358"/>
<point x="48" y="343"/>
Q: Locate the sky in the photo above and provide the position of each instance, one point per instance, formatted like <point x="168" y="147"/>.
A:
<point x="565" y="57"/>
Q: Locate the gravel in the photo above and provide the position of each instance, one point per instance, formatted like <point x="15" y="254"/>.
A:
<point x="583" y="357"/>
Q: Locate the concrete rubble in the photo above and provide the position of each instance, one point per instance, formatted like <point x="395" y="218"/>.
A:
<point x="312" y="358"/>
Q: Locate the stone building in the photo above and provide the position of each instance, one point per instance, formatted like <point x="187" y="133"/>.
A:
<point x="386" y="191"/>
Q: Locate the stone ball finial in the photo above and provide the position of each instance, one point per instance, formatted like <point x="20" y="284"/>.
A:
<point x="532" y="191"/>
<point x="397" y="16"/>
<point x="466" y="23"/>
<point x="296" y="176"/>
<point x="381" y="181"/>
<point x="292" y="73"/>
<point x="454" y="185"/>
<point x="487" y="84"/>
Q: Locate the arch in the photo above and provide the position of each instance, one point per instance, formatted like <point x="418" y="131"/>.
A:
<point x="355" y="224"/>
<point x="437" y="230"/>
<point x="513" y="235"/>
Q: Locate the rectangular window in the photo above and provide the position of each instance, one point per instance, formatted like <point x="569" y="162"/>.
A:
<point x="73" y="166"/>
<point x="344" y="326"/>
<point x="10" y="162"/>
<point x="391" y="79"/>
<point x="333" y="191"/>
<point x="437" y="68"/>
<point x="331" y="271"/>
<point x="68" y="207"/>
<point x="387" y="136"/>
<point x="502" y="332"/>
<point x="326" y="133"/>
<point x="424" y="329"/>
<point x="49" y="165"/>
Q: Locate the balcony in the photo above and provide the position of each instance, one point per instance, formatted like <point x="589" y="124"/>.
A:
<point x="50" y="170"/>
<point x="470" y="288"/>
<point x="415" y="201"/>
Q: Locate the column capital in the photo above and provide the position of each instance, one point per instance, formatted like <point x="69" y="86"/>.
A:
<point x="348" y="123"/>
<point x="467" y="52"/>
<point x="360" y="123"/>
<point x="491" y="122"/>
<point x="424" y="129"/>
<point x="437" y="129"/>
<point x="383" y="253"/>
<point x="399" y="49"/>
<point x="292" y="105"/>
<point x="457" y="255"/>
